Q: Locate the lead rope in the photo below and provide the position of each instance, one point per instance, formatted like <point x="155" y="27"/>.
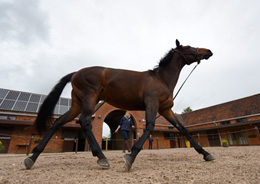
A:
<point x="182" y="85"/>
<point x="185" y="81"/>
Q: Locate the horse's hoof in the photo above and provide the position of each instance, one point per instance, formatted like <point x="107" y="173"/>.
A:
<point x="28" y="163"/>
<point x="128" y="162"/>
<point x="209" y="158"/>
<point x="103" y="162"/>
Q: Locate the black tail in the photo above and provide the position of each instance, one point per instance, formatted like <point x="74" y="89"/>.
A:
<point x="44" y="118"/>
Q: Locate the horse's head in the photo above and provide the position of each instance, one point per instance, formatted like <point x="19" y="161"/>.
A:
<point x="191" y="54"/>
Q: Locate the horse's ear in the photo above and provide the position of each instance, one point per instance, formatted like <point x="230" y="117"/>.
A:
<point x="177" y="43"/>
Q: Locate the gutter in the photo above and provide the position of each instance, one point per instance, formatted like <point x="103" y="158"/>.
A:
<point x="212" y="122"/>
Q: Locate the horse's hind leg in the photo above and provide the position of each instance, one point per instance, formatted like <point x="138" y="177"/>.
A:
<point x="169" y="115"/>
<point x="85" y="122"/>
<point x="69" y="116"/>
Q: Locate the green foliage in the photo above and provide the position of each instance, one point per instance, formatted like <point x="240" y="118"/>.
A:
<point x="37" y="140"/>
<point x="224" y="143"/>
<point x="187" y="110"/>
<point x="1" y="146"/>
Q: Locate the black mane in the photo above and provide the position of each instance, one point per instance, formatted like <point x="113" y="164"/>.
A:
<point x="164" y="61"/>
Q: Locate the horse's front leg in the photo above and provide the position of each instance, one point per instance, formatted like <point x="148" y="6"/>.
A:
<point x="85" y="122"/>
<point x="170" y="116"/>
<point x="150" y="115"/>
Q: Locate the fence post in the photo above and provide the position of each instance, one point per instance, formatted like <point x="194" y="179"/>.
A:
<point x="157" y="142"/>
<point x="257" y="131"/>
<point x="29" y="146"/>
<point x="106" y="143"/>
<point x="132" y="139"/>
<point x="199" y="138"/>
<point x="77" y="144"/>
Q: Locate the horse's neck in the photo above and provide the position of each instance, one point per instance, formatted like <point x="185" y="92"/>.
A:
<point x="170" y="73"/>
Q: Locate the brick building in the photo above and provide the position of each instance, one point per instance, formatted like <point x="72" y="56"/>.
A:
<point x="237" y="121"/>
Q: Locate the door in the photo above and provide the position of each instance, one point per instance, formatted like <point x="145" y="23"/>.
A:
<point x="5" y="138"/>
<point x="213" y="138"/>
<point x="70" y="140"/>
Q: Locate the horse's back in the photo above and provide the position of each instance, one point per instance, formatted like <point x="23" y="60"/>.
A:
<point x="118" y="87"/>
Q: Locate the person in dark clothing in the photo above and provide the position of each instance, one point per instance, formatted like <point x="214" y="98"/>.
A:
<point x="125" y="124"/>
<point x="150" y="142"/>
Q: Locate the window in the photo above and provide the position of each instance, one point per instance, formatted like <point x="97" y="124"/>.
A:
<point x="170" y="136"/>
<point x="242" y="138"/>
<point x="232" y="139"/>
<point x="242" y="120"/>
<point x="3" y="117"/>
<point x="225" y="122"/>
<point x="8" y="117"/>
<point x="11" y="117"/>
<point x="237" y="138"/>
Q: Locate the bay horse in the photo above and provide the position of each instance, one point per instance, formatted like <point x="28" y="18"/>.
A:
<point x="150" y="91"/>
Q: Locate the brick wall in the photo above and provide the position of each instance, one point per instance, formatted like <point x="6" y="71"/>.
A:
<point x="22" y="137"/>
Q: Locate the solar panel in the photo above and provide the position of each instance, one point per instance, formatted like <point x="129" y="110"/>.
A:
<point x="58" y="103"/>
<point x="35" y="98"/>
<point x="56" y="110"/>
<point x="24" y="96"/>
<point x="19" y="106"/>
<point x="12" y="95"/>
<point x="42" y="98"/>
<point x="31" y="107"/>
<point x="64" y="101"/>
<point x="7" y="104"/>
<point x="63" y="109"/>
<point x="3" y="93"/>
<point x="28" y="102"/>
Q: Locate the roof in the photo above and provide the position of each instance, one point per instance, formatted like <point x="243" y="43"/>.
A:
<point x="230" y="110"/>
<point x="233" y="109"/>
<point x="11" y="100"/>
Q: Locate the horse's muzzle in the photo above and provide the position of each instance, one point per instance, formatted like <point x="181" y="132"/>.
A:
<point x="207" y="55"/>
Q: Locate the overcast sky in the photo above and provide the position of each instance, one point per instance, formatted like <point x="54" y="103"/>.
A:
<point x="43" y="40"/>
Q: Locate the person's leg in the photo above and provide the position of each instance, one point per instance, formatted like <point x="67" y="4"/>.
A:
<point x="127" y="142"/>
<point x="125" y="138"/>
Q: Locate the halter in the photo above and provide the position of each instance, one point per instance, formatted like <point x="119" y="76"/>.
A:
<point x="191" y="53"/>
<point x="187" y="62"/>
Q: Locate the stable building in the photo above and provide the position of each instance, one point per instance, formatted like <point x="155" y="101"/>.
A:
<point x="237" y="121"/>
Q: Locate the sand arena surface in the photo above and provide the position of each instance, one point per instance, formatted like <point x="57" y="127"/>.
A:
<point x="233" y="165"/>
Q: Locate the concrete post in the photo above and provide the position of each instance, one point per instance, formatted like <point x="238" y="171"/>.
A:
<point x="257" y="132"/>
<point x="77" y="144"/>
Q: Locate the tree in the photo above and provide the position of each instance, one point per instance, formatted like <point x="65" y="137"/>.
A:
<point x="188" y="109"/>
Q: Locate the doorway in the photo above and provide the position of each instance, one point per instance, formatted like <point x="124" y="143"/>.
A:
<point x="73" y="139"/>
<point x="115" y="142"/>
<point x="213" y="138"/>
<point x="5" y="138"/>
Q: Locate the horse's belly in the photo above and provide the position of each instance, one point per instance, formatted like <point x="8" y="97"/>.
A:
<point x="125" y="103"/>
